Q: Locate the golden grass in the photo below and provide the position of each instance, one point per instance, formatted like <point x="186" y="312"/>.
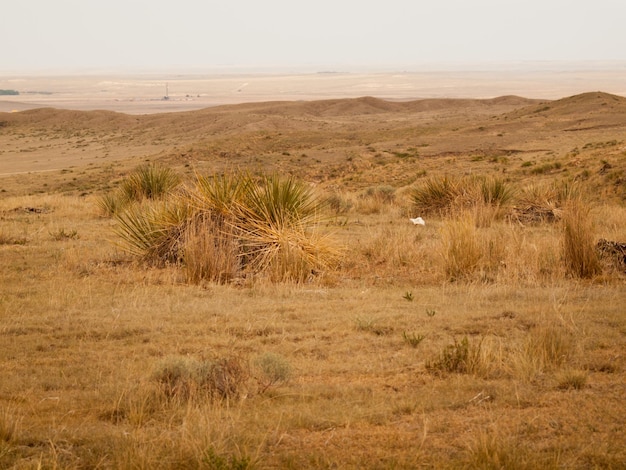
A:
<point x="109" y="362"/>
<point x="332" y="379"/>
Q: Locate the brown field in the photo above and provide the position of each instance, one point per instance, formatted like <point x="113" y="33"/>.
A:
<point x="491" y="337"/>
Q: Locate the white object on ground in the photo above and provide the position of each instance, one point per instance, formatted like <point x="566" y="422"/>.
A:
<point x="418" y="221"/>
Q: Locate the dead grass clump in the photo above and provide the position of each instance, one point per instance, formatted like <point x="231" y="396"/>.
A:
<point x="497" y="450"/>
<point x="546" y="347"/>
<point x="375" y="199"/>
<point x="613" y="253"/>
<point x="445" y="195"/>
<point x="210" y="252"/>
<point x="539" y="203"/>
<point x="482" y="359"/>
<point x="6" y="239"/>
<point x="460" y="248"/>
<point x="10" y="425"/>
<point x="578" y="242"/>
<point x="468" y="252"/>
<point x="572" y="380"/>
<point x="184" y="379"/>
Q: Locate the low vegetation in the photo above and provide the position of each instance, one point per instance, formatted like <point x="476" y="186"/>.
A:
<point x="171" y="317"/>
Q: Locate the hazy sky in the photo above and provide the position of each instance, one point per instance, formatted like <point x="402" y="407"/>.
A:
<point x="329" y="34"/>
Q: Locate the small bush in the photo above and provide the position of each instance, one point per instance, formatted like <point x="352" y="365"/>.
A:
<point x="457" y="357"/>
<point x="271" y="369"/>
<point x="185" y="379"/>
<point x="339" y="204"/>
<point x="572" y="380"/>
<point x="412" y="339"/>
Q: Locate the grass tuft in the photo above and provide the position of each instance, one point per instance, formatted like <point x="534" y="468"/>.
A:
<point x="578" y="242"/>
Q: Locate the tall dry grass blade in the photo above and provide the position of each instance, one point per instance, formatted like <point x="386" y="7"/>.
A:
<point x="460" y="248"/>
<point x="578" y="242"/>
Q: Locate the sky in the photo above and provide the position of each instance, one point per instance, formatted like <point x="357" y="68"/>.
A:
<point x="320" y="34"/>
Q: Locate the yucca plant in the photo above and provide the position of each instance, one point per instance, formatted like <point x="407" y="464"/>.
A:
<point x="496" y="191"/>
<point x="280" y="201"/>
<point x="151" y="181"/>
<point x="154" y="232"/>
<point x="275" y="223"/>
<point x="435" y="195"/>
<point x="228" y="225"/>
<point x="219" y="193"/>
<point x="112" y="203"/>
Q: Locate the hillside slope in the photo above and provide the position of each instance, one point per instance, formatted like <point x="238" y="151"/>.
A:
<point x="345" y="142"/>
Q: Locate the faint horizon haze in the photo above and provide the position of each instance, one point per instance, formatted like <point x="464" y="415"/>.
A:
<point x="323" y="36"/>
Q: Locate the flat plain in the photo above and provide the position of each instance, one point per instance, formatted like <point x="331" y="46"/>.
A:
<point x="475" y="341"/>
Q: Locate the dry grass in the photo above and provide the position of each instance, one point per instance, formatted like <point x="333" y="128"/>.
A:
<point x="464" y="343"/>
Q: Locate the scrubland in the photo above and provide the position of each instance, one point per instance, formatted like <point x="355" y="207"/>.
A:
<point x="318" y="327"/>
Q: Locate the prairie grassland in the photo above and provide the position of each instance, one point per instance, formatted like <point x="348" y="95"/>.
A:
<point x="108" y="363"/>
<point x="491" y="337"/>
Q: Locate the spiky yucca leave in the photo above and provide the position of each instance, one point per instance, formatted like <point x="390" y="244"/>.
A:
<point x="280" y="201"/>
<point x="495" y="191"/>
<point x="435" y="195"/>
<point x="228" y="224"/>
<point x="153" y="232"/>
<point x="273" y="221"/>
<point x="218" y="193"/>
<point x="150" y="181"/>
<point x="445" y="194"/>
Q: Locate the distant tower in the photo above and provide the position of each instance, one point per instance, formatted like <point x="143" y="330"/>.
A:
<point x="167" y="94"/>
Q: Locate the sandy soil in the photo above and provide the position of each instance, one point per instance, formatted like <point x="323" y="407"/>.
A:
<point x="143" y="94"/>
